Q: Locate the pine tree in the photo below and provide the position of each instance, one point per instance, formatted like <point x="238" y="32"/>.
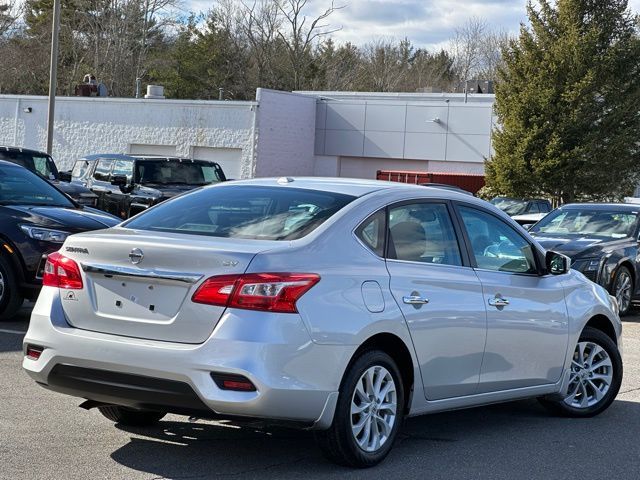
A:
<point x="568" y="103"/>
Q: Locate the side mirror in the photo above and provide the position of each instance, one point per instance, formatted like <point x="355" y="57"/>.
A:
<point x="557" y="264"/>
<point x="119" y="180"/>
<point x="64" y="176"/>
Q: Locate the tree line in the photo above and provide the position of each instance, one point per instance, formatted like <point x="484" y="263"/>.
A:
<point x="236" y="46"/>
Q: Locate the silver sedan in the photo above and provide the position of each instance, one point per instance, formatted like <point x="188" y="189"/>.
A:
<point x="337" y="305"/>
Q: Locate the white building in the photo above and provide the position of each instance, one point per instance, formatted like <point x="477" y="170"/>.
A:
<point x="280" y="133"/>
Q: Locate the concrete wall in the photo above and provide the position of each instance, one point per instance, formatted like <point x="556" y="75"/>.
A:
<point x="286" y="134"/>
<point x="94" y="125"/>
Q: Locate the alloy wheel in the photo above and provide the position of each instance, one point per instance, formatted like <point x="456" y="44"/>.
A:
<point x="374" y="407"/>
<point x="623" y="290"/>
<point x="591" y="375"/>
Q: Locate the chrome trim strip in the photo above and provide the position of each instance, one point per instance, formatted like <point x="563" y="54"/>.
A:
<point x="141" y="273"/>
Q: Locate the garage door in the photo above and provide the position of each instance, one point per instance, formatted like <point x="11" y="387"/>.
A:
<point x="230" y="159"/>
<point x="150" y="149"/>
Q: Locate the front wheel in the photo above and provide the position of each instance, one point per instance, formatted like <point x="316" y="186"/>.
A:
<point x="10" y="298"/>
<point x="369" y="412"/>
<point x="595" y="378"/>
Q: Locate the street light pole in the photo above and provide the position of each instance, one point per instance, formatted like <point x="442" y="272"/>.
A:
<point x="53" y="74"/>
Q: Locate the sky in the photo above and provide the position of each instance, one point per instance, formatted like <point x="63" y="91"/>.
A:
<point x="427" y="23"/>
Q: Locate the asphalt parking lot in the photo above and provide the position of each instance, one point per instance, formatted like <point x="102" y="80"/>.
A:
<point x="45" y="435"/>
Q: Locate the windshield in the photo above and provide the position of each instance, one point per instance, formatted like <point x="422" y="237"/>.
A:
<point x="510" y="206"/>
<point x="19" y="186"/>
<point x="38" y="163"/>
<point x="601" y="223"/>
<point x="177" y="172"/>
<point x="243" y="211"/>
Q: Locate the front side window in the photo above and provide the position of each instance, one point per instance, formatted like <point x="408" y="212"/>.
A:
<point x="495" y="245"/>
<point x="123" y="167"/>
<point x="103" y="170"/>
<point x="242" y="211"/>
<point x="423" y="232"/>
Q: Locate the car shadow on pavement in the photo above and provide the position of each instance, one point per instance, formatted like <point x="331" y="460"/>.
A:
<point x="514" y="440"/>
<point x="12" y="332"/>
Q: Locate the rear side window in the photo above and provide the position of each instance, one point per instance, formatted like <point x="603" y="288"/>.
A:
<point x="244" y="211"/>
<point x="372" y="232"/>
<point x="423" y="232"/>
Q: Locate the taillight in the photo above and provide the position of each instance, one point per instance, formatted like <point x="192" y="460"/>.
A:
<point x="61" y="272"/>
<point x="34" y="352"/>
<point x="271" y="292"/>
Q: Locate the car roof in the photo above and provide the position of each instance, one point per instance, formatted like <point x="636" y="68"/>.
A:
<point x="122" y="156"/>
<point x="350" y="186"/>
<point x="602" y="206"/>
<point x="22" y="150"/>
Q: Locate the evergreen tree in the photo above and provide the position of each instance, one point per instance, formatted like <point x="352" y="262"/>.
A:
<point x="568" y="103"/>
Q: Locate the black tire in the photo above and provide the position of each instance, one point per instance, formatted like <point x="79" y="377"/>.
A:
<point x="10" y="300"/>
<point x="338" y="443"/>
<point x="620" y="272"/>
<point x="131" y="417"/>
<point x="559" y="407"/>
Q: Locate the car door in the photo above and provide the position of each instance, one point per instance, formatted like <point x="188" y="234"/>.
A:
<point x="117" y="202"/>
<point x="439" y="295"/>
<point x="527" y="325"/>
<point x="100" y="182"/>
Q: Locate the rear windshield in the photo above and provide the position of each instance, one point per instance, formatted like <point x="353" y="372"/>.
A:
<point x="244" y="211"/>
<point x="19" y="186"/>
<point x="40" y="164"/>
<point x="177" y="172"/>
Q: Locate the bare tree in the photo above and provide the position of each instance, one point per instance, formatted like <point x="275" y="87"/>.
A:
<point x="466" y="48"/>
<point x="9" y="13"/>
<point x="300" y="32"/>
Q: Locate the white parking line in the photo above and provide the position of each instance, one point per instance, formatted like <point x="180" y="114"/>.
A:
<point x="16" y="332"/>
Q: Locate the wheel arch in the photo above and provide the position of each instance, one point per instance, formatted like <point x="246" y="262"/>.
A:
<point x="396" y="348"/>
<point x="602" y="323"/>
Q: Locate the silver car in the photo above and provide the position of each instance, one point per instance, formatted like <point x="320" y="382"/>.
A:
<point x="342" y="306"/>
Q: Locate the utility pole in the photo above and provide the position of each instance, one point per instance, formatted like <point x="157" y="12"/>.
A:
<point x="53" y="74"/>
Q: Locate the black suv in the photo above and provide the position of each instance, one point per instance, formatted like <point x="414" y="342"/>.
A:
<point x="126" y="185"/>
<point x="42" y="164"/>
<point x="35" y="219"/>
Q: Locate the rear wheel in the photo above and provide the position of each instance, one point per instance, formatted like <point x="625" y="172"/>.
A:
<point x="10" y="298"/>
<point x="369" y="412"/>
<point x="622" y="289"/>
<point x="595" y="378"/>
<point x="130" y="416"/>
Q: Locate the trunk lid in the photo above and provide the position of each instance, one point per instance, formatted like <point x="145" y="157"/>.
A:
<point x="139" y="284"/>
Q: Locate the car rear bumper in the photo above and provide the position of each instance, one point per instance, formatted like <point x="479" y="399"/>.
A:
<point x="296" y="380"/>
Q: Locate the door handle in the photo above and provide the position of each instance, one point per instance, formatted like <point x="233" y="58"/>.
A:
<point x="498" y="302"/>
<point x="415" y="300"/>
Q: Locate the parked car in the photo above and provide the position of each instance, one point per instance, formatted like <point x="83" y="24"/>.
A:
<point x="127" y="185"/>
<point x="42" y="164"/>
<point x="35" y="219"/>
<point x="379" y="301"/>
<point x="516" y="207"/>
<point x="602" y="241"/>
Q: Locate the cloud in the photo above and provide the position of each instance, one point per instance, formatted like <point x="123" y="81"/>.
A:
<point x="427" y="23"/>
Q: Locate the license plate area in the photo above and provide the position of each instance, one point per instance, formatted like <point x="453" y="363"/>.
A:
<point x="137" y="299"/>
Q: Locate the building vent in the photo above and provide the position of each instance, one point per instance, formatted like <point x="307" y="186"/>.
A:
<point x="155" y="92"/>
